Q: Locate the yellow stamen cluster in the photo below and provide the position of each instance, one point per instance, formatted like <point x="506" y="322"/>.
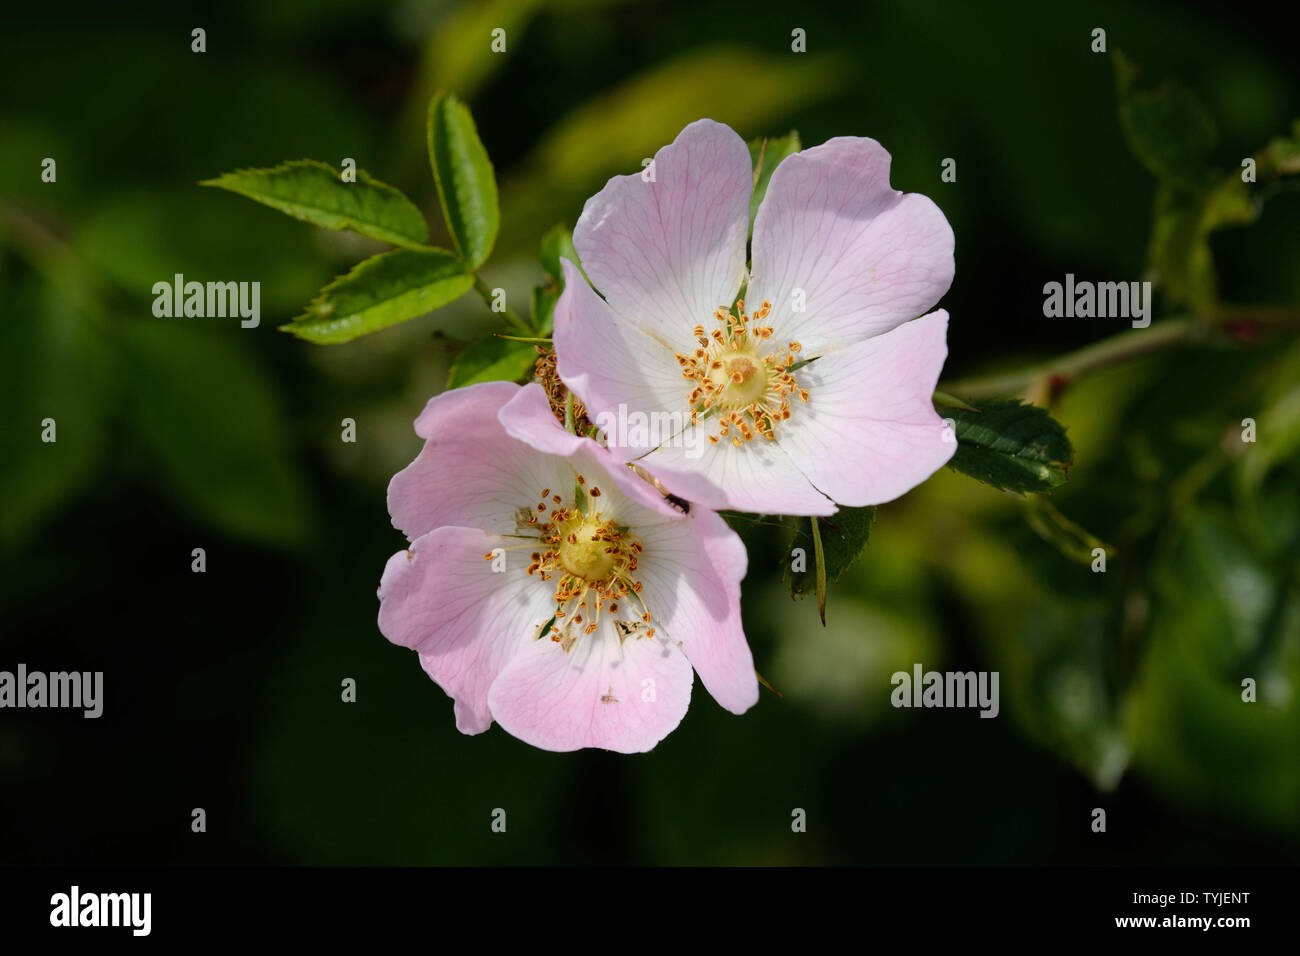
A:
<point x="593" y="562"/>
<point x="751" y="392"/>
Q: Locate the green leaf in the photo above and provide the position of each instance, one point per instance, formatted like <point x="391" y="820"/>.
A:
<point x="1058" y="680"/>
<point x="1277" y="443"/>
<point x="1179" y="252"/>
<point x="543" y="307"/>
<point x="1172" y="136"/>
<point x="1221" y="611"/>
<point x="844" y="535"/>
<point x="1229" y="203"/>
<point x="820" y="554"/>
<point x="314" y="192"/>
<point x="492" y="359"/>
<point x="766" y="155"/>
<point x="617" y="129"/>
<point x="467" y="188"/>
<point x="208" y="415"/>
<point x="1168" y="130"/>
<point x="1011" y="445"/>
<point x="557" y="244"/>
<point x="382" y="291"/>
<point x="1282" y="155"/>
<point x="453" y="56"/>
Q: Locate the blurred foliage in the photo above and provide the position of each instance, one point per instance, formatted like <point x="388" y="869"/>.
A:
<point x="1121" y="689"/>
<point x="1173" y="137"/>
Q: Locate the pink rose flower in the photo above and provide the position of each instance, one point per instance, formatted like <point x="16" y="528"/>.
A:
<point x="551" y="589"/>
<point x="841" y="263"/>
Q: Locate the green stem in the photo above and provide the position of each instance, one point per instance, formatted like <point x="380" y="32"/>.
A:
<point x="1129" y="344"/>
<point x="1117" y="348"/>
<point x="486" y="295"/>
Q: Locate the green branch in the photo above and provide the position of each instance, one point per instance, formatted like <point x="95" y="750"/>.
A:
<point x="1129" y="344"/>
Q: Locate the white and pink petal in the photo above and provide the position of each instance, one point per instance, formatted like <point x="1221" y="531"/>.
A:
<point x="528" y="418"/>
<point x="842" y="255"/>
<point x="612" y="365"/>
<point x="869" y="432"/>
<point x="667" y="246"/>
<point x="470" y="472"/>
<point x="757" y="476"/>
<point x="691" y="573"/>
<point x="443" y="599"/>
<point x="624" y="695"/>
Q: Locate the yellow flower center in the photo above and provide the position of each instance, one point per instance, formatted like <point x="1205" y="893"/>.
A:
<point x="585" y="547"/>
<point x="593" y="561"/>
<point x="739" y="378"/>
<point x="748" y="386"/>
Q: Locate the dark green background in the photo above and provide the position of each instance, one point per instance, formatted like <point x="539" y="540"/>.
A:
<point x="222" y="689"/>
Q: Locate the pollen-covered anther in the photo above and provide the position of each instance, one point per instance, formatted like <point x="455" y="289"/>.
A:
<point x="735" y="376"/>
<point x="593" y="560"/>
